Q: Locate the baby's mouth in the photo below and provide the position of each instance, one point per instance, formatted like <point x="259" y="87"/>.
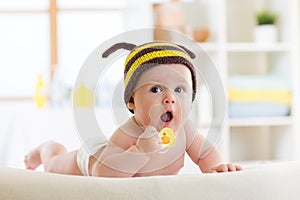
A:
<point x="166" y="117"/>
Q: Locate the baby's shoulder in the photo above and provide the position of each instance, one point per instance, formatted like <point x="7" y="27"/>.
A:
<point x="130" y="128"/>
<point x="126" y="135"/>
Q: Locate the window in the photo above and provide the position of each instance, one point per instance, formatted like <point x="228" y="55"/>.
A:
<point x="38" y="36"/>
<point x="24" y="51"/>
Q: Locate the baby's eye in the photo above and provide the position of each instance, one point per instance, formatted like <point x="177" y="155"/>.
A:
<point x="155" y="89"/>
<point x="178" y="89"/>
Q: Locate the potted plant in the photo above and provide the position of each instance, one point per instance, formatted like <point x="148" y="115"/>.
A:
<point x="265" y="30"/>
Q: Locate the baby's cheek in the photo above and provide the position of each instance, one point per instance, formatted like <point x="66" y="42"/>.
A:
<point x="154" y="113"/>
<point x="183" y="110"/>
<point x="185" y="105"/>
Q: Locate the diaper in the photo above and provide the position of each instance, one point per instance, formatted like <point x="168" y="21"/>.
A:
<point x="92" y="145"/>
<point x="84" y="153"/>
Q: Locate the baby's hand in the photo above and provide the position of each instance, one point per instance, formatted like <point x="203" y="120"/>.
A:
<point x="225" y="168"/>
<point x="149" y="141"/>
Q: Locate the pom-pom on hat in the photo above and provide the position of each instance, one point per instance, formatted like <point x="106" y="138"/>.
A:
<point x="148" y="55"/>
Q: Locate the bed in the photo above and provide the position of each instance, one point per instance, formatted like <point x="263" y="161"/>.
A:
<point x="275" y="181"/>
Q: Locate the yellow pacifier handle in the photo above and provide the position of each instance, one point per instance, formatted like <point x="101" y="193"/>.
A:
<point x="167" y="137"/>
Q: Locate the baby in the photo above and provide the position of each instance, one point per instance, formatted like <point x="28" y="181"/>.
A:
<point x="160" y="87"/>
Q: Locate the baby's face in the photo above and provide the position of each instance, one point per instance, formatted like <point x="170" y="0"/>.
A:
<point x="163" y="96"/>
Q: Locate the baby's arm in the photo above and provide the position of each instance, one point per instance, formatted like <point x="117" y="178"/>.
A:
<point x="125" y="155"/>
<point x="209" y="159"/>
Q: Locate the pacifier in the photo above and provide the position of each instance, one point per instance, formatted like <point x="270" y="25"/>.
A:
<point x="167" y="137"/>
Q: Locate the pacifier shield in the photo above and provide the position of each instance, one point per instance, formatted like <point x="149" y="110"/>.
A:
<point x="167" y="137"/>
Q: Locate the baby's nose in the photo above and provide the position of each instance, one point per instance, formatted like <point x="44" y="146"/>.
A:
<point x="169" y="98"/>
<point x="167" y="101"/>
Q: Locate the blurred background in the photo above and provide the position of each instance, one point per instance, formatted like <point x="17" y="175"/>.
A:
<point x="254" y="45"/>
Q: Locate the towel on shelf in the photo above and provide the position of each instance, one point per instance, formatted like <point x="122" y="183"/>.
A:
<point x="280" y="96"/>
<point x="259" y="96"/>
<point x="271" y="81"/>
<point x="242" y="110"/>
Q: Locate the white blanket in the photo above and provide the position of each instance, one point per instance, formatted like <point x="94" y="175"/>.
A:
<point x="277" y="181"/>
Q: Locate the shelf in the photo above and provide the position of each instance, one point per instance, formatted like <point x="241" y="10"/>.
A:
<point x="232" y="48"/>
<point x="257" y="47"/>
<point x="260" y="121"/>
<point x="246" y="47"/>
<point x="208" y="46"/>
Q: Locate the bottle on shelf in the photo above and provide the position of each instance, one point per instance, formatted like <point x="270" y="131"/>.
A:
<point x="40" y="96"/>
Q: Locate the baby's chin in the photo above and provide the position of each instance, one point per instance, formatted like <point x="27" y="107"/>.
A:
<point x="173" y="126"/>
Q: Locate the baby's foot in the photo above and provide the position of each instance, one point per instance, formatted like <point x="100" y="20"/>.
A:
<point x="32" y="160"/>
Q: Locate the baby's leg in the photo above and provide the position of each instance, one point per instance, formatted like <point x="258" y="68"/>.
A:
<point x="54" y="157"/>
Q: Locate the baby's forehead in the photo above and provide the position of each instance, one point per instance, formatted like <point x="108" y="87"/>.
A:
<point x="166" y="73"/>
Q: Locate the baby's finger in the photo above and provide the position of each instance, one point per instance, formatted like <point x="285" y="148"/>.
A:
<point x="161" y="146"/>
<point x="238" y="168"/>
<point x="157" y="136"/>
<point x="221" y="168"/>
<point x="231" y="168"/>
<point x="149" y="132"/>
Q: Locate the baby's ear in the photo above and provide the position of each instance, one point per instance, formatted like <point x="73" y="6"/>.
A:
<point x="130" y="104"/>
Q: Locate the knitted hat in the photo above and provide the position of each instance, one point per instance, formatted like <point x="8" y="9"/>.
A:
<point x="148" y="55"/>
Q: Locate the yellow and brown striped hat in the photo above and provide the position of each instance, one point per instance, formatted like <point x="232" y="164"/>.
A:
<point x="148" y="55"/>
